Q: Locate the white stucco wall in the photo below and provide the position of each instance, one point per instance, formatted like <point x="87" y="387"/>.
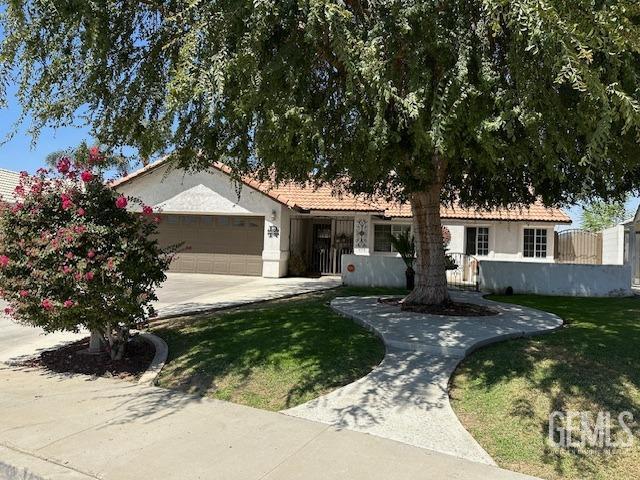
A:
<point x="213" y="193"/>
<point x="613" y="245"/>
<point x="506" y="239"/>
<point x="555" y="278"/>
<point x="495" y="276"/>
<point x="373" y="271"/>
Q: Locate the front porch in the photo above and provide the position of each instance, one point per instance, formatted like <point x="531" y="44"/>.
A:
<point x="317" y="244"/>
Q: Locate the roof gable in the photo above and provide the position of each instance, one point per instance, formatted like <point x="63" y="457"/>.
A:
<point x="201" y="199"/>
<point x="326" y="198"/>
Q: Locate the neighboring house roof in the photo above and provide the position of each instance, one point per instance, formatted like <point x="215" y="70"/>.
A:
<point x="8" y="182"/>
<point x="633" y="220"/>
<point x="325" y="198"/>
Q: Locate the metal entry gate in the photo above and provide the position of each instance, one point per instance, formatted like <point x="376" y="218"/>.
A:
<point x="578" y="246"/>
<point x="321" y="243"/>
<point x="462" y="271"/>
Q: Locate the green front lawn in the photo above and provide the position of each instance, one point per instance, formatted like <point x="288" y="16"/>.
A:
<point x="504" y="393"/>
<point x="273" y="355"/>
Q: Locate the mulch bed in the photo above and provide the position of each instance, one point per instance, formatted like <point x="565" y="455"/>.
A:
<point x="73" y="358"/>
<point x="453" y="309"/>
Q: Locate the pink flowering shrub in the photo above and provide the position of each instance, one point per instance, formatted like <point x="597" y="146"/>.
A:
<point x="72" y="255"/>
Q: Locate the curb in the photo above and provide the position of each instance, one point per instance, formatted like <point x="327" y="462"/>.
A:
<point x="150" y="376"/>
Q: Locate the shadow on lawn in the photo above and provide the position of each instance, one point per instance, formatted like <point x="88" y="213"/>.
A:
<point x="274" y="356"/>
<point x="590" y="365"/>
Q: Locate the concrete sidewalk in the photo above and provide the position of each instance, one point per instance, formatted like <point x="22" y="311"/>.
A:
<point x="81" y="428"/>
<point x="406" y="398"/>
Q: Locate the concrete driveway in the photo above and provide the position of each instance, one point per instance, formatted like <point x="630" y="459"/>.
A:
<point x="181" y="294"/>
<point x="185" y="293"/>
<point x="20" y="340"/>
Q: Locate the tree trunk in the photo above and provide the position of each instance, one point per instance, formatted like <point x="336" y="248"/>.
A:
<point x="96" y="343"/>
<point x="430" y="278"/>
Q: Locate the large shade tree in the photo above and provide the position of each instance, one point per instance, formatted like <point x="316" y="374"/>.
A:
<point x="484" y="102"/>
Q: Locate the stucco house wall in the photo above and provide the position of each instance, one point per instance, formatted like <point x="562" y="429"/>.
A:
<point x="212" y="193"/>
<point x="506" y="239"/>
<point x="175" y="191"/>
<point x="613" y="245"/>
<point x="556" y="278"/>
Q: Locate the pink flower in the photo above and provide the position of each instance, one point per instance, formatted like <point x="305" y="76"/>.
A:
<point x="80" y="229"/>
<point x="78" y="276"/>
<point x="157" y="219"/>
<point x="111" y="264"/>
<point x="64" y="165"/>
<point x="91" y="254"/>
<point x="94" y="155"/>
<point x="88" y="276"/>
<point x="121" y="202"/>
<point x="24" y="293"/>
<point x="19" y="190"/>
<point x="9" y="311"/>
<point x="47" y="304"/>
<point x="147" y="210"/>
<point x="70" y="255"/>
<point x="36" y="187"/>
<point x="4" y="261"/>
<point x="66" y="201"/>
<point x="81" y="212"/>
<point x="16" y="207"/>
<point x="67" y="269"/>
<point x="68" y="303"/>
<point x="86" y="176"/>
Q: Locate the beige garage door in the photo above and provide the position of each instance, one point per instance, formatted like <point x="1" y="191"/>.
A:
<point x="214" y="244"/>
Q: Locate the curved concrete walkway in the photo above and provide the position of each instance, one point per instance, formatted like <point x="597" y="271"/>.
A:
<point x="406" y="397"/>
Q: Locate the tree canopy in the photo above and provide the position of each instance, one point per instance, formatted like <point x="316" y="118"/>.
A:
<point x="599" y="215"/>
<point x="484" y="102"/>
<point x="518" y="99"/>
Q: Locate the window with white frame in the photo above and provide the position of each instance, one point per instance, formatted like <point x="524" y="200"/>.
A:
<point x="382" y="233"/>
<point x="477" y="241"/>
<point x="535" y="243"/>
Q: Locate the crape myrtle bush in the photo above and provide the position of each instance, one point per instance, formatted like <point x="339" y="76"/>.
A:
<point x="72" y="255"/>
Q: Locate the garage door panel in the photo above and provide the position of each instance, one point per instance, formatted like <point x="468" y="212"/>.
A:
<point x="204" y="264"/>
<point x="254" y="267"/>
<point x="214" y="244"/>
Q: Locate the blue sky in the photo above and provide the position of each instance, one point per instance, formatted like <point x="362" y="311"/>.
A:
<point x="20" y="153"/>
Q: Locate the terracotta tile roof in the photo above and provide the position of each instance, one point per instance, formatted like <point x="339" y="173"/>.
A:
<point x="534" y="213"/>
<point x="8" y="182"/>
<point x="327" y="198"/>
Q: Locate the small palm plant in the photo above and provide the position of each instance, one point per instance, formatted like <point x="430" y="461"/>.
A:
<point x="404" y="244"/>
